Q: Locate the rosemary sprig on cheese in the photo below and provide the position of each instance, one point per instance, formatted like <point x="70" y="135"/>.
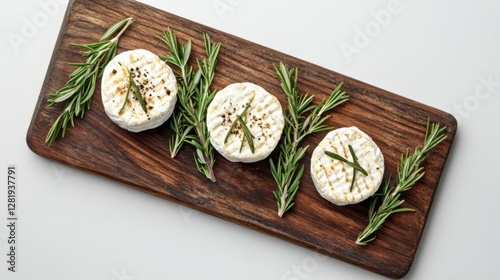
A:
<point x="78" y="91"/>
<point x="301" y="119"/>
<point x="247" y="135"/>
<point x="354" y="164"/>
<point x="137" y="93"/>
<point x="194" y="96"/>
<point x="133" y="86"/>
<point x="409" y="172"/>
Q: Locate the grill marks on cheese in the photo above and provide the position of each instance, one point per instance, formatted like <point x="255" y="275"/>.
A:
<point x="332" y="177"/>
<point x="156" y="83"/>
<point x="264" y="119"/>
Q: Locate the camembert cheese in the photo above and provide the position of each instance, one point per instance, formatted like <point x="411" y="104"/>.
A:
<point x="262" y="115"/>
<point x="333" y="178"/>
<point x="155" y="81"/>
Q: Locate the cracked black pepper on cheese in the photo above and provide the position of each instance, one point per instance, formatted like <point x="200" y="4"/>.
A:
<point x="333" y="177"/>
<point x="155" y="81"/>
<point x="262" y="115"/>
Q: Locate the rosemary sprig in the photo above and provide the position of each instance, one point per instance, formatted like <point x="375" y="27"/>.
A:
<point x="247" y="135"/>
<point x="409" y="172"/>
<point x="354" y="164"/>
<point x="132" y="85"/>
<point x="194" y="96"/>
<point x="78" y="91"/>
<point x="286" y="171"/>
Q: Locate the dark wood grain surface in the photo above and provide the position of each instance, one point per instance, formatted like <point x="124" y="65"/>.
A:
<point x="243" y="192"/>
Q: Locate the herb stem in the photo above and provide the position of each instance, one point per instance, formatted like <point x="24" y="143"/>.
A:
<point x="207" y="159"/>
<point x="128" y="21"/>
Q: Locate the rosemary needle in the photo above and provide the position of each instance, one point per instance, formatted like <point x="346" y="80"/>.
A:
<point x="125" y="99"/>
<point x="409" y="172"/>
<point x="78" y="91"/>
<point x="301" y="119"/>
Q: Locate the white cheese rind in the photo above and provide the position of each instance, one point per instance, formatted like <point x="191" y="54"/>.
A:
<point x="264" y="119"/>
<point x="157" y="85"/>
<point x="333" y="178"/>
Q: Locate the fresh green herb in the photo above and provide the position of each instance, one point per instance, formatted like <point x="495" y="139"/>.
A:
<point x="409" y="172"/>
<point x="78" y="91"/>
<point x="354" y="164"/>
<point x="132" y="85"/>
<point x="194" y="96"/>
<point x="297" y="127"/>
<point x="247" y="135"/>
<point x="126" y="98"/>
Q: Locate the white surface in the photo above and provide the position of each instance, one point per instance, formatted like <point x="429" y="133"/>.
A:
<point x="75" y="225"/>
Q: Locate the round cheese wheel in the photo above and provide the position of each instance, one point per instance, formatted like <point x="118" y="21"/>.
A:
<point x="333" y="177"/>
<point x="155" y="81"/>
<point x="261" y="113"/>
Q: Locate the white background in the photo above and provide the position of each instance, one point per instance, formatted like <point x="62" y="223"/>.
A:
<point x="75" y="225"/>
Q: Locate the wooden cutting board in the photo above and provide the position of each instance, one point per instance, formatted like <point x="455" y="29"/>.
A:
<point x="243" y="193"/>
